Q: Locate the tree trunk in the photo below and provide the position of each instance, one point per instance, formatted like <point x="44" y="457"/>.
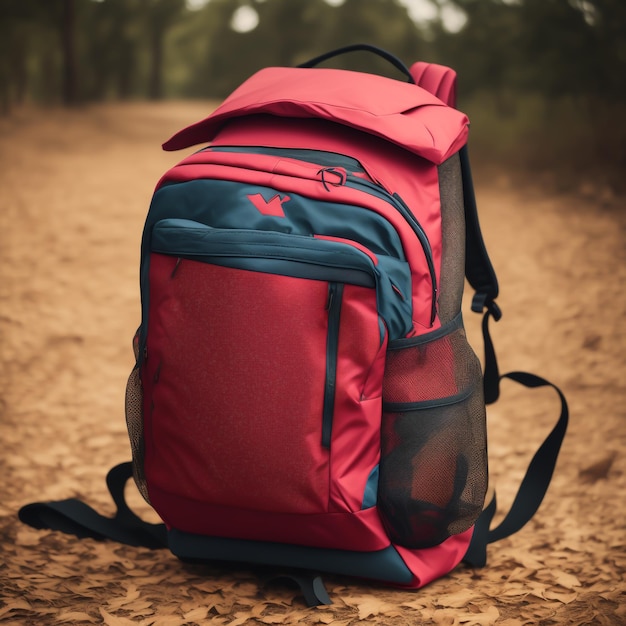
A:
<point x="156" y="64"/>
<point x="68" y="44"/>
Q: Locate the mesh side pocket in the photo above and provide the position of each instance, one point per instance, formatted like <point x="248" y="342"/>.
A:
<point x="134" y="424"/>
<point x="433" y="468"/>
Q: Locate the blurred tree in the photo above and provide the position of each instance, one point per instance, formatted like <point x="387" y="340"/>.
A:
<point x="14" y="27"/>
<point x="553" y="47"/>
<point x="160" y="16"/>
<point x="290" y="32"/>
<point x="385" y="23"/>
<point x="31" y="61"/>
<point x="69" y="50"/>
<point x="286" y="34"/>
<point x="486" y="53"/>
<point x="110" y="40"/>
<point x="68" y="45"/>
<point x="607" y="19"/>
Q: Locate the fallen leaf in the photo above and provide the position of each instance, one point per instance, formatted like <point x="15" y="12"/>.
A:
<point x="370" y="606"/>
<point x="196" y="615"/>
<point x="563" y="579"/>
<point x="458" y="599"/>
<point x="486" y="618"/>
<point x="14" y="605"/>
<point x="27" y="536"/>
<point x="114" y="620"/>
<point x="598" y="471"/>
<point x="74" y="617"/>
<point x="166" y="620"/>
<point x="564" y="598"/>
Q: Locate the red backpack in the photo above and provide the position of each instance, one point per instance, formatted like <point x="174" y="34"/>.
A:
<point x="304" y="395"/>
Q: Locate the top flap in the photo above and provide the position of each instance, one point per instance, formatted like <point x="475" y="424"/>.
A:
<point x="399" y="112"/>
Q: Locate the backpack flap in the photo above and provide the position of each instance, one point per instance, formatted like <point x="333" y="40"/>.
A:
<point x="399" y="112"/>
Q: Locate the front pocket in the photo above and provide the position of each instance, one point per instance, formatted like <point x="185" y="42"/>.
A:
<point x="433" y="469"/>
<point x="313" y="257"/>
<point x="244" y="358"/>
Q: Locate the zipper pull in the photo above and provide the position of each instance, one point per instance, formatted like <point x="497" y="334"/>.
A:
<point x="335" y="176"/>
<point x="178" y="262"/>
<point x="331" y="297"/>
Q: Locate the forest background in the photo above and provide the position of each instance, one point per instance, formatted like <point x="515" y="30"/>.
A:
<point x="544" y="81"/>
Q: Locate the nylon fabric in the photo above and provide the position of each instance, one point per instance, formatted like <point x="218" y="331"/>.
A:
<point x="355" y="444"/>
<point x="395" y="169"/>
<point x="211" y="395"/>
<point x="195" y="457"/>
<point x="436" y="79"/>
<point x="360" y="530"/>
<point x="400" y="113"/>
<point x="415" y="256"/>
<point x="429" y="564"/>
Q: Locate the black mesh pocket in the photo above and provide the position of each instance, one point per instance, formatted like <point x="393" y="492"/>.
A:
<point x="433" y="467"/>
<point x="134" y="424"/>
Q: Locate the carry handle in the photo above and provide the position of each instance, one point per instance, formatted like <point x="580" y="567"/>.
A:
<point x="394" y="60"/>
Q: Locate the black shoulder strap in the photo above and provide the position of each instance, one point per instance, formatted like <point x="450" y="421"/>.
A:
<point x="482" y="277"/>
<point x="532" y="488"/>
<point x="478" y="268"/>
<point x="74" y="517"/>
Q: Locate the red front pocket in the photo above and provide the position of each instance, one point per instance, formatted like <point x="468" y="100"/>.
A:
<point x="234" y="385"/>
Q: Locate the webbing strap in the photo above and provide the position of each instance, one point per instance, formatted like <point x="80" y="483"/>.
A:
<point x="74" y="517"/>
<point x="533" y="487"/>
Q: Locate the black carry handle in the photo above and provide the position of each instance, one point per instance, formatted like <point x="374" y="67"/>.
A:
<point x="362" y="47"/>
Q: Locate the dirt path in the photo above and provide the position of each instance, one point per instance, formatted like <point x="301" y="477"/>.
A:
<point x="74" y="190"/>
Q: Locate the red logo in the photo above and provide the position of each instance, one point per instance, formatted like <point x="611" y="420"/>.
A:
<point x="274" y="206"/>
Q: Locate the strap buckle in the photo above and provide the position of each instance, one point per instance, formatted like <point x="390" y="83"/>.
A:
<point x="482" y="301"/>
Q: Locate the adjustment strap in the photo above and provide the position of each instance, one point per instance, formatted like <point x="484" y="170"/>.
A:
<point x="533" y="487"/>
<point x="77" y="518"/>
<point x="491" y="375"/>
<point x="310" y="584"/>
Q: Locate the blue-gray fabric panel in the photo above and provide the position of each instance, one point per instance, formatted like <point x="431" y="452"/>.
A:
<point x="290" y="254"/>
<point x="370" y="496"/>
<point x="225" y="204"/>
<point x="383" y="565"/>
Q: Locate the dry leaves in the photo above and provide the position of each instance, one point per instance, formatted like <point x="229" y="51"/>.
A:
<point x="69" y="237"/>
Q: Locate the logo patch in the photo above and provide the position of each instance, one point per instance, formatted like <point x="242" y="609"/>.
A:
<point x="273" y="207"/>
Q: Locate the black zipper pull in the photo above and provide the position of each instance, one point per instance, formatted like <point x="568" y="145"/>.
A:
<point x="338" y="172"/>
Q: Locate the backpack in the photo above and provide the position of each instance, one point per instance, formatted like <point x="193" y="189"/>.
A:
<point x="304" y="396"/>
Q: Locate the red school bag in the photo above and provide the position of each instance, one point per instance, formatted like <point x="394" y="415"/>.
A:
<point x="304" y="395"/>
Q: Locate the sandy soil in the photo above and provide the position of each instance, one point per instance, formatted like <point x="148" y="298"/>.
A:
<point x="74" y="190"/>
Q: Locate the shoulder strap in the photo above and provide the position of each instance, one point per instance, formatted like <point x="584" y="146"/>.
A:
<point x="479" y="271"/>
<point x="532" y="488"/>
<point x="74" y="517"/>
<point x="437" y="79"/>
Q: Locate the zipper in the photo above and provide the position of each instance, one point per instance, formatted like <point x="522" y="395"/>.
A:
<point x="317" y="157"/>
<point x="401" y="206"/>
<point x="281" y="253"/>
<point x="353" y="166"/>
<point x="335" y="294"/>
